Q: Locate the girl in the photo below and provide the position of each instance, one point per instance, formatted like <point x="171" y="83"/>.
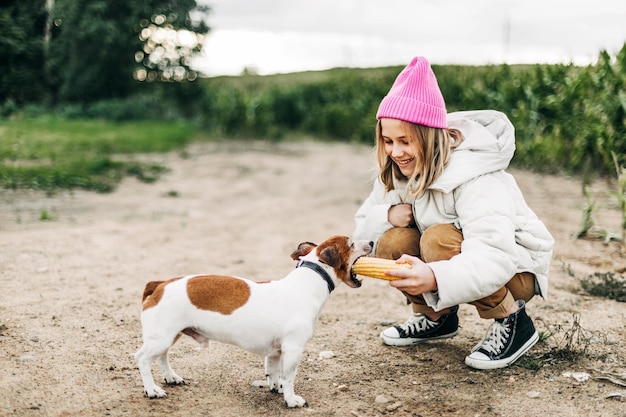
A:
<point x="443" y="202"/>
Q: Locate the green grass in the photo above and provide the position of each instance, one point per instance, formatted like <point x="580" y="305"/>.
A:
<point x="606" y="285"/>
<point x="50" y="153"/>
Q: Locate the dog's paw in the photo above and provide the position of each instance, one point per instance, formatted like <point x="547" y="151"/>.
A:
<point x="174" y="380"/>
<point x="155" y="392"/>
<point x="273" y="386"/>
<point x="260" y="383"/>
<point x="296" y="401"/>
<point x="276" y="387"/>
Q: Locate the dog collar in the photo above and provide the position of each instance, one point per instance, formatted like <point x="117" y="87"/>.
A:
<point x="315" y="267"/>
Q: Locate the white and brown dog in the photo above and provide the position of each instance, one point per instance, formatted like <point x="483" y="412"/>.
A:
<point x="273" y="319"/>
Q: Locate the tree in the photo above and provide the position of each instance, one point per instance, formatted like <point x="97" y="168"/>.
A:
<point x="97" y="45"/>
<point x="169" y="39"/>
<point x="22" y="51"/>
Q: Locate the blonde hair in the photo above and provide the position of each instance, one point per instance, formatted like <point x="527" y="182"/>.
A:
<point x="432" y="148"/>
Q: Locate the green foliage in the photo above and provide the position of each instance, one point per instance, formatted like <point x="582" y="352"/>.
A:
<point x="339" y="104"/>
<point x="580" y="117"/>
<point x="44" y="215"/>
<point x="51" y="153"/>
<point x="607" y="285"/>
<point x="82" y="51"/>
<point x="620" y="196"/>
<point x="8" y="107"/>
<point x="588" y="228"/>
<point x="90" y="53"/>
<point x="588" y="224"/>
<point x="568" y="119"/>
<point x="135" y="107"/>
<point x="21" y="51"/>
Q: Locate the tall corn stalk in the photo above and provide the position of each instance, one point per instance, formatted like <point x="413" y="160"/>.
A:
<point x="587" y="224"/>
<point x="620" y="194"/>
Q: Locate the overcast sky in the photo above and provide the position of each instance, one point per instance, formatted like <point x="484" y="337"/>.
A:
<point x="279" y="36"/>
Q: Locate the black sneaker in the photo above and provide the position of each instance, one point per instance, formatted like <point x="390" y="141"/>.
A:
<point x="505" y="342"/>
<point x="419" y="328"/>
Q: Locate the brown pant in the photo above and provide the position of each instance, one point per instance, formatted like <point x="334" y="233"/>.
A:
<point x="441" y="242"/>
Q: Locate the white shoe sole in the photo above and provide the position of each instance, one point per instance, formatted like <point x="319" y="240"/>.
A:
<point x="408" y="341"/>
<point x="502" y="363"/>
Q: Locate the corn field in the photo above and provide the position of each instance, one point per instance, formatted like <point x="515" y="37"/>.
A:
<point x="568" y="119"/>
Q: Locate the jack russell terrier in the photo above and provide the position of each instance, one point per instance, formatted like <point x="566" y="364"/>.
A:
<point x="273" y="319"/>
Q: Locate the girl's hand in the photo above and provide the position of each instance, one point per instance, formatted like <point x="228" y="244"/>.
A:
<point x="415" y="281"/>
<point x="401" y="215"/>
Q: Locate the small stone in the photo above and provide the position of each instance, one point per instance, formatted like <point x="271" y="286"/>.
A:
<point x="26" y="358"/>
<point x="578" y="376"/>
<point x="381" y="399"/>
<point x="342" y="387"/>
<point x="532" y="394"/>
<point x="394" y="406"/>
<point x="327" y="354"/>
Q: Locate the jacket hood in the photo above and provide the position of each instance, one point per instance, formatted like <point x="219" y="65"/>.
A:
<point x="489" y="146"/>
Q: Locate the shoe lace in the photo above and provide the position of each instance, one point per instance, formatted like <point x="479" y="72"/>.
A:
<point x="417" y="324"/>
<point x="495" y="338"/>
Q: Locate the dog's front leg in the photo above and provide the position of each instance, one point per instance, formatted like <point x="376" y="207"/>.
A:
<point x="290" y="359"/>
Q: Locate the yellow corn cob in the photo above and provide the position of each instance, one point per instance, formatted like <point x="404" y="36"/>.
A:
<point x="376" y="267"/>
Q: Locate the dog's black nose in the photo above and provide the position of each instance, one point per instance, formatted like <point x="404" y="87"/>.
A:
<point x="371" y="244"/>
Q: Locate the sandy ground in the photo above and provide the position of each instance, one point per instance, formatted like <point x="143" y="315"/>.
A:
<point x="71" y="289"/>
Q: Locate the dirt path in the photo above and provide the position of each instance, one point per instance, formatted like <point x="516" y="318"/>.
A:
<point x="71" y="289"/>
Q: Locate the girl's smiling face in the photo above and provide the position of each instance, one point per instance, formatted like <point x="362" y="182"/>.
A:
<point x="397" y="145"/>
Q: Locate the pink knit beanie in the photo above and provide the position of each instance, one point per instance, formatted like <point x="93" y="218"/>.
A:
<point x="415" y="97"/>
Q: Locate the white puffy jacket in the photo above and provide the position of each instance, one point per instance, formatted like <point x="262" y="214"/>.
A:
<point x="501" y="234"/>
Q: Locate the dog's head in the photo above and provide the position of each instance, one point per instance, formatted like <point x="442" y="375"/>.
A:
<point x="339" y="252"/>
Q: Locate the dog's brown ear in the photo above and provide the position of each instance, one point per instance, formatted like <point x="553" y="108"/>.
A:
<point x="149" y="289"/>
<point x="330" y="256"/>
<point x="303" y="249"/>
